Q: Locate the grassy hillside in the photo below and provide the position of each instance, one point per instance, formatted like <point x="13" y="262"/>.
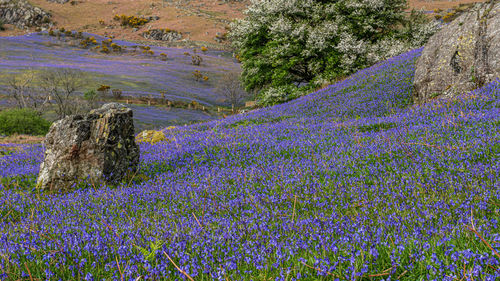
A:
<point x="348" y="183"/>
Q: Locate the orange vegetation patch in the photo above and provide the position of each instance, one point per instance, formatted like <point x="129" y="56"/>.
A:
<point x="21" y="139"/>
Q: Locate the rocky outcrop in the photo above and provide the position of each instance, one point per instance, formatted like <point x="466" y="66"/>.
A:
<point x="98" y="147"/>
<point x="462" y="56"/>
<point x="22" y="14"/>
<point x="163" y="35"/>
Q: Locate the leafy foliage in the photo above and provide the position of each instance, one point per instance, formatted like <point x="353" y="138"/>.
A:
<point x="90" y="95"/>
<point x="150" y="254"/>
<point x="310" y="43"/>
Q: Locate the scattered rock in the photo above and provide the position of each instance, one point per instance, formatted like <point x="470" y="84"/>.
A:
<point x="98" y="146"/>
<point x="22" y="14"/>
<point x="462" y="56"/>
<point x="163" y="35"/>
<point x="152" y="18"/>
<point x="219" y="37"/>
<point x="59" y="1"/>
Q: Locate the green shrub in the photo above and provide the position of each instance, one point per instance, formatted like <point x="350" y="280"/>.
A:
<point x="197" y="75"/>
<point x="131" y="21"/>
<point x="1" y="25"/>
<point x="90" y="95"/>
<point x="22" y="121"/>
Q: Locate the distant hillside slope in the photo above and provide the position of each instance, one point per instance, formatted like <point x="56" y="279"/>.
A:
<point x="198" y="20"/>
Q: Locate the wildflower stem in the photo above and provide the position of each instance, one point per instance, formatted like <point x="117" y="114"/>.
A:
<point x="484" y="241"/>
<point x="180" y="270"/>
<point x="119" y="269"/>
<point x="29" y="272"/>
<point x="319" y="269"/>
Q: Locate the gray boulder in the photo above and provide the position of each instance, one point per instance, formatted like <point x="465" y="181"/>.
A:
<point x="22" y="14"/>
<point x="462" y="56"/>
<point x="99" y="147"/>
<point x="163" y="35"/>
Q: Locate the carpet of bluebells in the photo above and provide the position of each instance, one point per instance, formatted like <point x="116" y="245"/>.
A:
<point x="348" y="183"/>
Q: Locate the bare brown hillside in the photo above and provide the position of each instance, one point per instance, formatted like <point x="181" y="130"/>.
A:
<point x="198" y="20"/>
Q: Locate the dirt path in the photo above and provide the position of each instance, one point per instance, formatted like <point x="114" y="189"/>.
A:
<point x="431" y="5"/>
<point x="21" y="139"/>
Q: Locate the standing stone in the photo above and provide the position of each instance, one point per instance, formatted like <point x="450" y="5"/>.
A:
<point x="99" y="147"/>
<point x="462" y="56"/>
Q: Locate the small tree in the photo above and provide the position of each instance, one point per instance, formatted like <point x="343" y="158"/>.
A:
<point x="298" y="43"/>
<point x="61" y="85"/>
<point x="91" y="98"/>
<point x="230" y="87"/>
<point x="20" y="88"/>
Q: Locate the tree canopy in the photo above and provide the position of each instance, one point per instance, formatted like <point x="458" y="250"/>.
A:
<point x="287" y="46"/>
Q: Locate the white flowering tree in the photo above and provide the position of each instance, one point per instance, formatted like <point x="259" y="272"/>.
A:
<point x="284" y="43"/>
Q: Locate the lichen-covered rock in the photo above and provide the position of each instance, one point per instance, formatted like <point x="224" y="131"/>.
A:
<point x="22" y="14"/>
<point x="150" y="136"/>
<point x="163" y="35"/>
<point x="99" y="147"/>
<point x="462" y="56"/>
